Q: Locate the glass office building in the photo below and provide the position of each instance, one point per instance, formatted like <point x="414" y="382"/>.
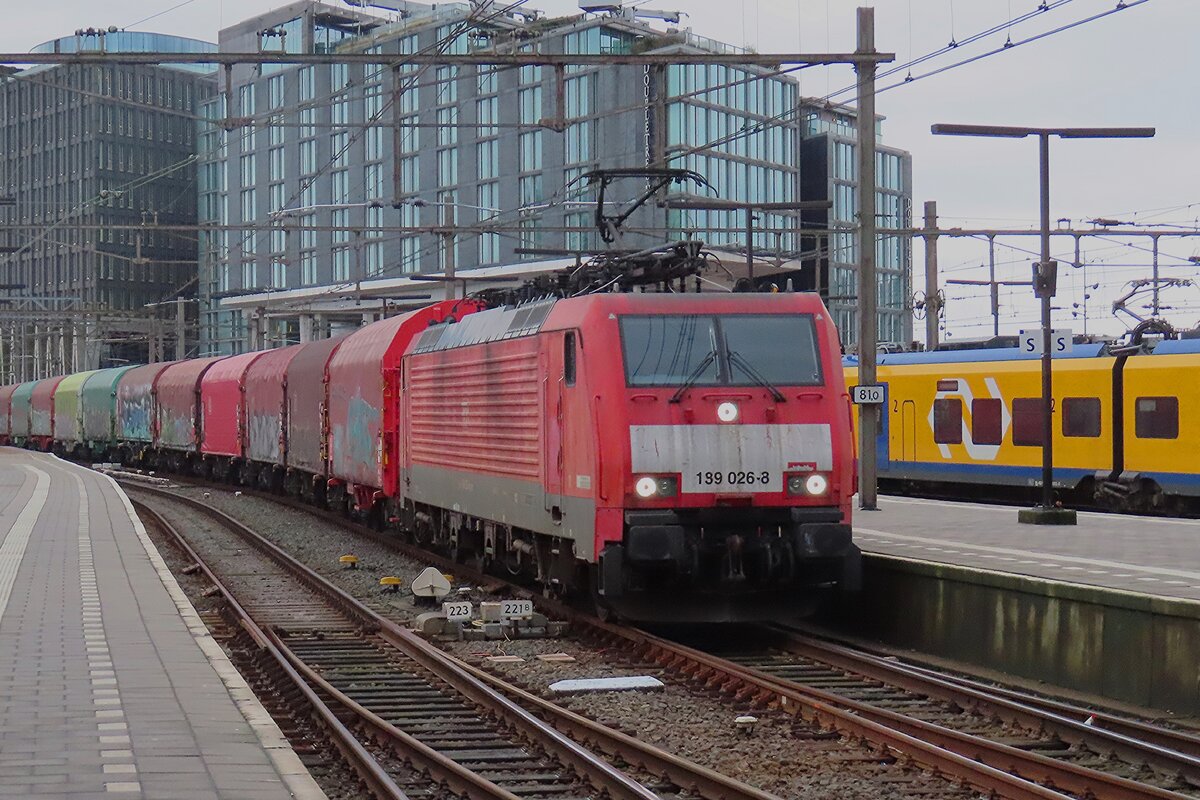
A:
<point x="99" y="160"/>
<point x="332" y="175"/>
<point x="829" y="153"/>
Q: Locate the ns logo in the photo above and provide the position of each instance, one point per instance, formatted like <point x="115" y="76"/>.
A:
<point x="951" y="388"/>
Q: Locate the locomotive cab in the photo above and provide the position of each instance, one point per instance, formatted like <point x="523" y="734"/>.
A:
<point x="733" y="466"/>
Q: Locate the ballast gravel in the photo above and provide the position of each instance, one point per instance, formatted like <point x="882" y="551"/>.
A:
<point x="781" y="754"/>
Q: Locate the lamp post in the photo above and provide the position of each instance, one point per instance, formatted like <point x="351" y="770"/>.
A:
<point x="1044" y="279"/>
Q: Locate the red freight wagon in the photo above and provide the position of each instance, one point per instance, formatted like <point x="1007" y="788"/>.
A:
<point x="177" y="401"/>
<point x="364" y="402"/>
<point x="223" y="411"/>
<point x="684" y="456"/>
<point x="6" y="393"/>
<point x="41" y="413"/>
<point x="266" y="413"/>
<point x="307" y="396"/>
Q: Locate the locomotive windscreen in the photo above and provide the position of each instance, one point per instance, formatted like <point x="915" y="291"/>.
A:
<point x="720" y="350"/>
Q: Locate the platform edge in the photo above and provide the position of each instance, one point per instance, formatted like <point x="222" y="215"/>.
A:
<point x="295" y="775"/>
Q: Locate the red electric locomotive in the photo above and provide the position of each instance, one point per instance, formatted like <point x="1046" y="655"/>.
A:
<point x="685" y="457"/>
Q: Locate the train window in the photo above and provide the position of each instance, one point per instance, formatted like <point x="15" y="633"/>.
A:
<point x="986" y="423"/>
<point x="1157" y="418"/>
<point x="669" y="350"/>
<point x="1027" y="421"/>
<point x="1081" y="416"/>
<point x="752" y="352"/>
<point x="947" y="420"/>
<point x="721" y="350"/>
<point x="569" y="358"/>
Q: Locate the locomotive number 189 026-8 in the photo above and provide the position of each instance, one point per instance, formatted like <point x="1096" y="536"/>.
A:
<point x="733" y="478"/>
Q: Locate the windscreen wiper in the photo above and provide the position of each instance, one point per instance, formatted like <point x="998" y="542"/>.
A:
<point x="756" y="376"/>
<point x="695" y="376"/>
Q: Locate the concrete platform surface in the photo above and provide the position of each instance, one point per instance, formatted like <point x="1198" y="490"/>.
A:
<point x="110" y="685"/>
<point x="1147" y="555"/>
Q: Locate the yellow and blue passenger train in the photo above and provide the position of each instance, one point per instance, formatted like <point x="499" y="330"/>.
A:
<point x="968" y="423"/>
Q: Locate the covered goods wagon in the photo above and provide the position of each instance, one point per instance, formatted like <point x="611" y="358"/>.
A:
<point x="98" y="400"/>
<point x="22" y="400"/>
<point x="266" y="406"/>
<point x="6" y="393"/>
<point x="364" y="400"/>
<point x="223" y="406"/>
<point x="68" y="424"/>
<point x="41" y="411"/>
<point x="306" y="399"/>
<point x="135" y="403"/>
<point x="177" y="403"/>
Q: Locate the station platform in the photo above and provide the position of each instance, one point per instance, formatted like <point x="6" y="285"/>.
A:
<point x="1144" y="555"/>
<point x="110" y="685"/>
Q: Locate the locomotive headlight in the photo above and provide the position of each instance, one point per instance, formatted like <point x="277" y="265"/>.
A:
<point x="727" y="412"/>
<point x="646" y="486"/>
<point x="816" y="484"/>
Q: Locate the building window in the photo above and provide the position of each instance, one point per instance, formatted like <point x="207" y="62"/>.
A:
<point x="530" y="146"/>
<point x="530" y="187"/>
<point x="249" y="205"/>
<point x="447" y="121"/>
<point x="1081" y="416"/>
<point x="373" y="180"/>
<point x="339" y="221"/>
<point x="488" y="198"/>
<point x="374" y="143"/>
<point x="278" y="273"/>
<point x="410" y="174"/>
<point x="986" y="423"/>
<point x="275" y="88"/>
<point x="339" y="186"/>
<point x="1027" y="421"/>
<point x="447" y="167"/>
<point x="278" y="241"/>
<point x="339" y="149"/>
<point x="308" y="157"/>
<point x="947" y="420"/>
<point x="487" y="114"/>
<point x="341" y="264"/>
<point x="530" y="103"/>
<point x="373" y="252"/>
<point x="1157" y="418"/>
<point x="275" y="158"/>
<point x="487" y="159"/>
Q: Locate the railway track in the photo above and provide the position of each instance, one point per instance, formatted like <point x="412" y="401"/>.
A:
<point x="1028" y="749"/>
<point x="465" y="728"/>
<point x="1173" y="752"/>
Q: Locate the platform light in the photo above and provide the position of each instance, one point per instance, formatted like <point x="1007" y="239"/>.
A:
<point x="816" y="484"/>
<point x="727" y="412"/>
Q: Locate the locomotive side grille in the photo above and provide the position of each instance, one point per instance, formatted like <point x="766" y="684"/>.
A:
<point x="477" y="411"/>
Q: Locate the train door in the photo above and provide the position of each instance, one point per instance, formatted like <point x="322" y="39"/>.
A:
<point x="554" y="400"/>
<point x="883" y="438"/>
<point x="908" y="431"/>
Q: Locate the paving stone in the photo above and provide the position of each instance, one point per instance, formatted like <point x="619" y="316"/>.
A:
<point x="1109" y="550"/>
<point x="104" y="689"/>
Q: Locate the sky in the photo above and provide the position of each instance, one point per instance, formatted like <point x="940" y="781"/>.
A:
<point x="1135" y="67"/>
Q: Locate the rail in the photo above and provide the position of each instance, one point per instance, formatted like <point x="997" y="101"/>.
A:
<point x="486" y="691"/>
<point x="979" y="762"/>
